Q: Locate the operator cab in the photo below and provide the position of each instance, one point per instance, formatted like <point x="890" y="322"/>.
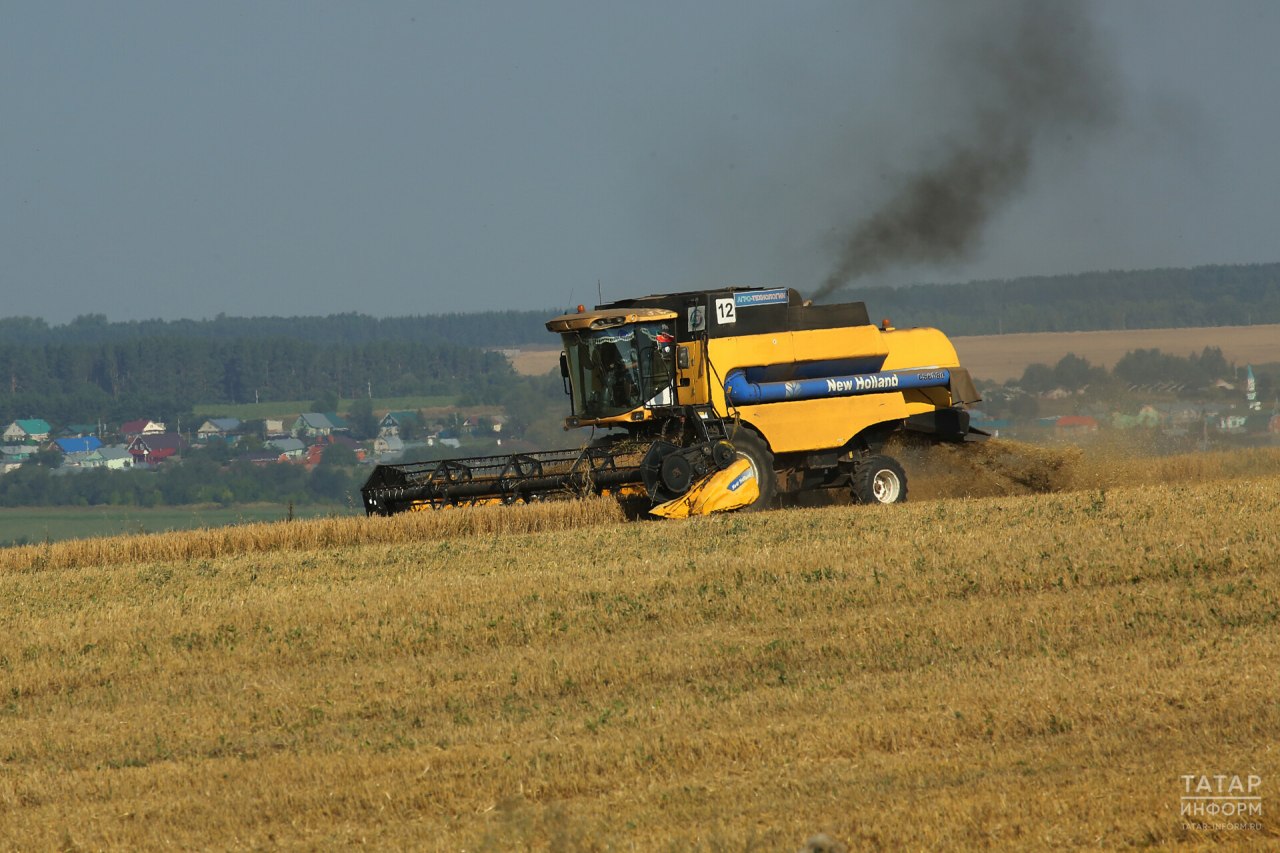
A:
<point x="618" y="363"/>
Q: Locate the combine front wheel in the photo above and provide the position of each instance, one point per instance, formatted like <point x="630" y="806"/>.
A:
<point x="879" y="480"/>
<point x="752" y="448"/>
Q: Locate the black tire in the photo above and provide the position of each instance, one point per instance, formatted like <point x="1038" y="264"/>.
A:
<point x="879" y="480"/>
<point x="752" y="447"/>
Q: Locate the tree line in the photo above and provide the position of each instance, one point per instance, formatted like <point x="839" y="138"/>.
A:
<point x="1219" y="295"/>
<point x="164" y="376"/>
<point x="1236" y="295"/>
<point x="478" y="329"/>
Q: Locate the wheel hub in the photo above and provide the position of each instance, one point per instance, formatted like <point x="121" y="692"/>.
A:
<point x="886" y="486"/>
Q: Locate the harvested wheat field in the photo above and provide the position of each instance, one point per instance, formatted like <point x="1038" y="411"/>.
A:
<point x="1032" y="671"/>
<point x="1003" y="357"/>
<point x="535" y="361"/>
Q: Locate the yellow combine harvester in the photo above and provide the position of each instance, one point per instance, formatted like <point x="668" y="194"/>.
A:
<point x="718" y="400"/>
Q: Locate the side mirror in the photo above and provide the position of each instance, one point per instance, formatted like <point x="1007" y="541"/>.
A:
<point x="682" y="358"/>
<point x="564" y="365"/>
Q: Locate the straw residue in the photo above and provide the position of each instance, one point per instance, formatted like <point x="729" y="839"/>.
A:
<point x="207" y="543"/>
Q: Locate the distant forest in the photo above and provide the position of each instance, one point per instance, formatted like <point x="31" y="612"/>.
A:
<point x="1235" y="295"/>
<point x="481" y="329"/>
<point x="163" y="376"/>
<point x="91" y="368"/>
<point x="1238" y="295"/>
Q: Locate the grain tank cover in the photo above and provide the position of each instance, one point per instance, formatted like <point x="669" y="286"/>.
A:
<point x="739" y="311"/>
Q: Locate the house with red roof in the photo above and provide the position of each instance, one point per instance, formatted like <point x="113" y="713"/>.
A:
<point x="155" y="448"/>
<point x="1075" y="425"/>
<point x="133" y="429"/>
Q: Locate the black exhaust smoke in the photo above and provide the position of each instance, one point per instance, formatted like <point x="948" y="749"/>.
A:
<point x="1026" y="76"/>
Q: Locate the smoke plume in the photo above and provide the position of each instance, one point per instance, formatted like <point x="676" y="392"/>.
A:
<point x="1021" y="77"/>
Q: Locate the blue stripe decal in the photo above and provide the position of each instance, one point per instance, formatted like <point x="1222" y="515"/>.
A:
<point x="739" y="391"/>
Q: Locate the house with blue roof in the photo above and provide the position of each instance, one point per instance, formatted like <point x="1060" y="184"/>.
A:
<point x="78" y="445"/>
<point x="26" y="431"/>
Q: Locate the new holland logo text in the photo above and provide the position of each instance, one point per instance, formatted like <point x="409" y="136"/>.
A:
<point x="862" y="383"/>
<point x="739" y="480"/>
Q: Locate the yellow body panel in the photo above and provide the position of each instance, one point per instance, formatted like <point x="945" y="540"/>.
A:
<point x="804" y="425"/>
<point x="910" y="348"/>
<point x="695" y="393"/>
<point x="732" y="488"/>
<point x="820" y="424"/>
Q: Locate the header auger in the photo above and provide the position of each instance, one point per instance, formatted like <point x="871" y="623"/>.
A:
<point x="717" y="400"/>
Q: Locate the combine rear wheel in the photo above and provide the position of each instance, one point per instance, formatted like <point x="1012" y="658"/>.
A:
<point x="752" y="448"/>
<point x="879" y="480"/>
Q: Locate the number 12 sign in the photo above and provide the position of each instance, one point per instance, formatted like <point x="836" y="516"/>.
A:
<point x="726" y="311"/>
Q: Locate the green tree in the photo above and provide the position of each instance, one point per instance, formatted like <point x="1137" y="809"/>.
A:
<point x="1024" y="406"/>
<point x="338" y="455"/>
<point x="326" y="402"/>
<point x="360" y="419"/>
<point x="1071" y="372"/>
<point x="1037" y="379"/>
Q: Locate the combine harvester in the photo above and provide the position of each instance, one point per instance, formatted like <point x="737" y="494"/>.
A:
<point x="717" y="400"/>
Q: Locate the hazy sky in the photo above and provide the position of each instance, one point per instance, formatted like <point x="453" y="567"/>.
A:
<point x="180" y="160"/>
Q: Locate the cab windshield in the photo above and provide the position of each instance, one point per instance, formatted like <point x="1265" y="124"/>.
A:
<point x="616" y="370"/>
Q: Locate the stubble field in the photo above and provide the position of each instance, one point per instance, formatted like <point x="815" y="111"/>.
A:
<point x="1003" y="357"/>
<point x="1028" y="671"/>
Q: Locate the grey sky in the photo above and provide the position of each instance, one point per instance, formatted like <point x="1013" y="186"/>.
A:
<point x="175" y="160"/>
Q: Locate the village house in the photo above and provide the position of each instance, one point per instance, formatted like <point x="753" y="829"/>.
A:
<point x="1075" y="425"/>
<point x="311" y="425"/>
<point x="20" y="431"/>
<point x="114" y="458"/>
<point x="219" y="427"/>
<point x="388" y="444"/>
<point x="392" y="422"/>
<point x="1232" y="423"/>
<point x="154" y="449"/>
<point x="77" y="445"/>
<point x="274" y="427"/>
<point x="78" y="430"/>
<point x="74" y="460"/>
<point x="133" y="429"/>
<point x="16" y="454"/>
<point x="338" y="424"/>
<point x="288" y="448"/>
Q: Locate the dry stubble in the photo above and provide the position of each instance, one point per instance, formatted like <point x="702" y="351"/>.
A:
<point x="1021" y="672"/>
